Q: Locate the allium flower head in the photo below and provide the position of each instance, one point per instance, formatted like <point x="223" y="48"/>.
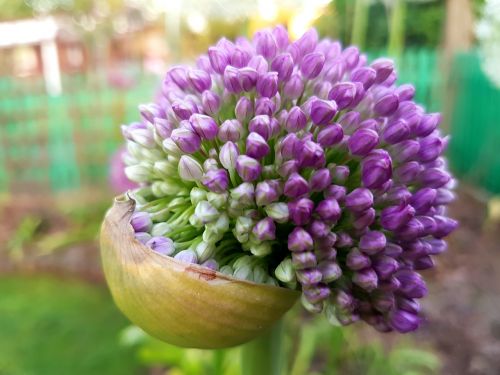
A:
<point x="296" y="164"/>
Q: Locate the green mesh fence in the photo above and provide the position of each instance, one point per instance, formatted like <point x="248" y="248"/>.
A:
<point x="64" y="143"/>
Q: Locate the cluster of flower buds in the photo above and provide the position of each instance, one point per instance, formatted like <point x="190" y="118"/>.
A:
<point x="299" y="162"/>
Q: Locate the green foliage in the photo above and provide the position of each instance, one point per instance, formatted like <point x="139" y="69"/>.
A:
<point x="50" y="327"/>
<point x="314" y="347"/>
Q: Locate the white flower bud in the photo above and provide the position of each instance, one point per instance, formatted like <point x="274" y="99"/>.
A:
<point x="285" y="271"/>
<point x="228" y="155"/>
<point x="261" y="249"/>
<point x="259" y="275"/>
<point x="160" y="229"/>
<point x="243" y="225"/>
<point x="278" y="212"/>
<point x="164" y="168"/>
<point x="195" y="221"/>
<point x="140" y="172"/>
<point x="162" y="188"/>
<point x="210" y="165"/>
<point x="197" y="195"/>
<point x="189" y="169"/>
<point x="227" y="270"/>
<point x="171" y="147"/>
<point x="218" y="200"/>
<point x="206" y="212"/>
<point x="204" y="251"/>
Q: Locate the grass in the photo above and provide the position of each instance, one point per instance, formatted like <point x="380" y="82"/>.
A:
<point x="54" y="327"/>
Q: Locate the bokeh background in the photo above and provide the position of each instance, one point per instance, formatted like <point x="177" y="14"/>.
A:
<point x="72" y="71"/>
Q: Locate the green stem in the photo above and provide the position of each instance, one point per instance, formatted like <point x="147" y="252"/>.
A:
<point x="264" y="355"/>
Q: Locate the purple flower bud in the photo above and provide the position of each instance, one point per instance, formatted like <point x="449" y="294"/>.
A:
<point x="264" y="106"/>
<point x="265" y="44"/>
<point x="311" y="154"/>
<point x="265" y="229"/>
<point x="259" y="64"/>
<point x="331" y="271"/>
<point x="396" y="131"/>
<point x="430" y="148"/>
<point x="231" y="80"/>
<point x="437" y="246"/>
<point x="283" y="65"/>
<point x="150" y="111"/>
<point x="423" y="199"/>
<point x="187" y="140"/>
<point x="216" y="180"/>
<point x="230" y="130"/>
<point x="403" y="321"/>
<point x="199" y="80"/>
<point x="141" y="222"/>
<point x="362" y="142"/>
<point x="405" y="92"/>
<point x="317" y="293"/>
<point x="386" y="105"/>
<point x="240" y="57"/>
<point x="343" y="93"/>
<point x="405" y="151"/>
<point x="445" y="226"/>
<point x="366" y="279"/>
<point x="376" y="169"/>
<point x="330" y="135"/>
<point x="390" y="285"/>
<point x="320" y="180"/>
<point x="295" y="186"/>
<point x="182" y="109"/>
<point x="163" y="128"/>
<point x="385" y="266"/>
<point x="178" y="75"/>
<point x="308" y="41"/>
<point x="205" y="126"/>
<point x="142" y="237"/>
<point x="408" y="172"/>
<point x="356" y="260"/>
<point x="384" y="67"/>
<point x="290" y="146"/>
<point x="427" y="124"/>
<point x="287" y="168"/>
<point x="189" y="169"/>
<point x="335" y="191"/>
<point x="423" y="263"/>
<point x="328" y="210"/>
<point x="261" y="124"/>
<point x="366" y="76"/>
<point x="318" y="229"/>
<point x="248" y="168"/>
<point x="267" y="84"/>
<point x="300" y="211"/>
<point x="372" y="242"/>
<point x="266" y="192"/>
<point x="161" y="245"/>
<point x="302" y="260"/>
<point x="243" y="109"/>
<point x="428" y="223"/>
<point x="300" y="240"/>
<point x="350" y="121"/>
<point x="188" y="256"/>
<point x="394" y="217"/>
<point x="256" y="146"/>
<point x="309" y="277"/>
<point x="281" y="37"/>
<point x="210" y="102"/>
<point x="383" y="301"/>
<point x="218" y="59"/>
<point x="411" y="230"/>
<point x="294" y="87"/>
<point x="434" y="177"/>
<point x="296" y="120"/>
<point x="412" y="284"/>
<point x="322" y="111"/>
<point x="248" y="78"/>
<point x="312" y="64"/>
<point x="364" y="219"/>
<point x="211" y="264"/>
<point x="409" y="305"/>
<point x="340" y="174"/>
<point x="444" y="197"/>
<point x="359" y="200"/>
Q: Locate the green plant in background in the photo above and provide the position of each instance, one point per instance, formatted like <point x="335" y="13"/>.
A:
<point x="316" y="349"/>
<point x="54" y="327"/>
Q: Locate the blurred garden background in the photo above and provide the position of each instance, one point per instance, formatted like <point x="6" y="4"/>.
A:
<point x="73" y="71"/>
